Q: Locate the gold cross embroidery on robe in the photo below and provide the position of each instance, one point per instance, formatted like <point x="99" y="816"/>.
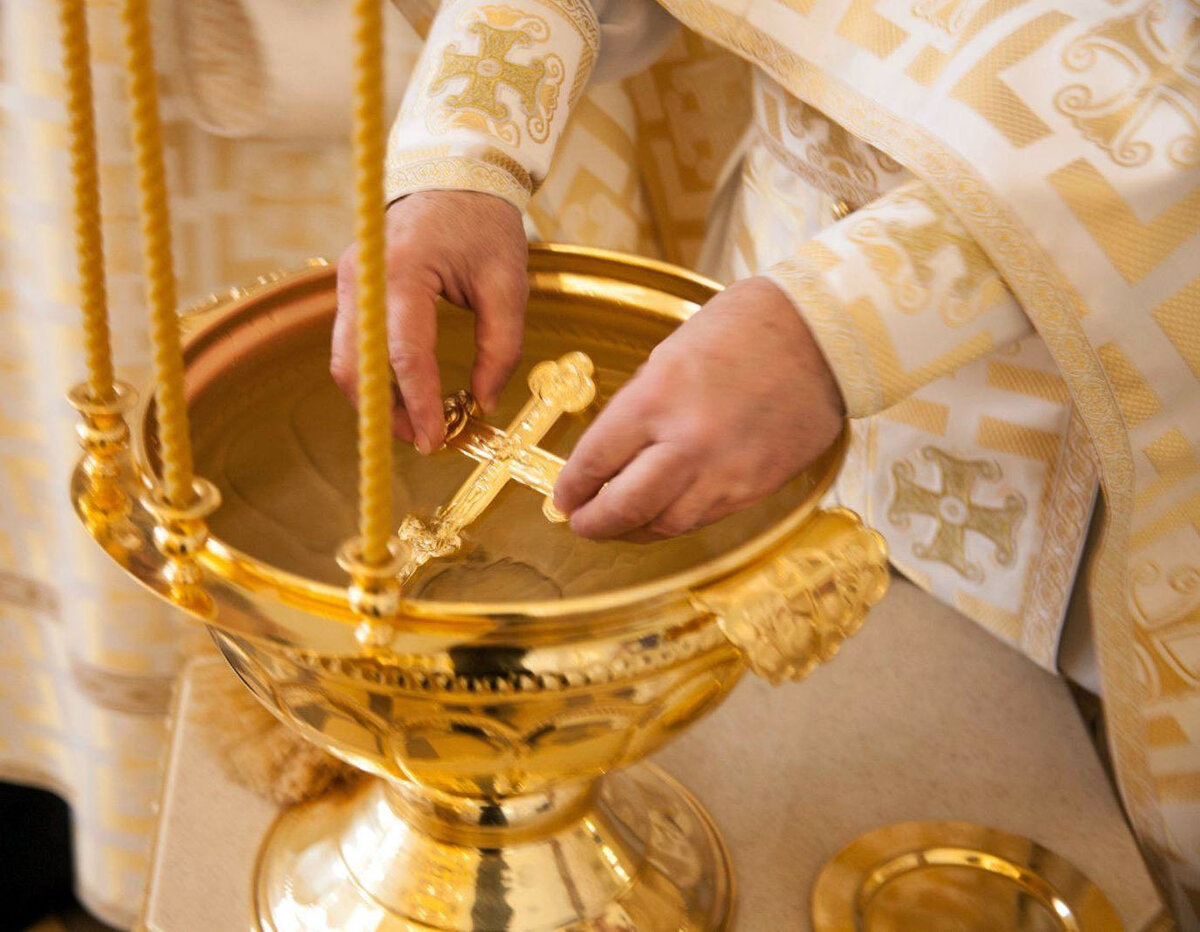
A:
<point x="491" y="69"/>
<point x="564" y="385"/>
<point x="1163" y="75"/>
<point x="956" y="512"/>
<point x="479" y="87"/>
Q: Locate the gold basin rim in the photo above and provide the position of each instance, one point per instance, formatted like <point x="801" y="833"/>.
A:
<point x="239" y="567"/>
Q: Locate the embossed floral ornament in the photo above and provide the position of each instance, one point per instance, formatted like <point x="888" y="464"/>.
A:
<point x="793" y="615"/>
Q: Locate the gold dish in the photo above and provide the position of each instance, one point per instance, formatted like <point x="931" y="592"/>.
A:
<point x="955" y="877"/>
<point x="522" y="670"/>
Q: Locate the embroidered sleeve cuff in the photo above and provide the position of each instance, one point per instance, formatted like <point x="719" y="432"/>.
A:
<point x="491" y="95"/>
<point x="486" y="170"/>
<point x="898" y="295"/>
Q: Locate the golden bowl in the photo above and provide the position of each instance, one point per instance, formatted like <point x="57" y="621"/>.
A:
<point x="506" y="706"/>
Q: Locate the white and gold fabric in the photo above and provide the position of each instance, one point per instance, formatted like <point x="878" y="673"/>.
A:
<point x="489" y="101"/>
<point x="1013" y="311"/>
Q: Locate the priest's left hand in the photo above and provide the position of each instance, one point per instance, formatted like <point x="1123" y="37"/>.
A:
<point x="724" y="412"/>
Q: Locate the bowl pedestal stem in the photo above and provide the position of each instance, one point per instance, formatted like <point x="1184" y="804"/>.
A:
<point x="631" y="852"/>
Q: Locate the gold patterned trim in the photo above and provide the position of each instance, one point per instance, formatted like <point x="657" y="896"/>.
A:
<point x="583" y="18"/>
<point x="1056" y="310"/>
<point x="492" y="173"/>
<point x="841" y="340"/>
<point x="1071" y="497"/>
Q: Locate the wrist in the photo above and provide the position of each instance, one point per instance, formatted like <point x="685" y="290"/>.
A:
<point x="835" y="331"/>
<point x="810" y="357"/>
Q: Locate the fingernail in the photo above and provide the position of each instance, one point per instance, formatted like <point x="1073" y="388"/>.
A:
<point x="424" y="445"/>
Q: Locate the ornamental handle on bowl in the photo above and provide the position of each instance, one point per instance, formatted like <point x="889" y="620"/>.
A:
<point x="792" y="613"/>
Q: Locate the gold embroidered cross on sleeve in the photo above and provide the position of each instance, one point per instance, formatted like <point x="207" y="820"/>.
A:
<point x="482" y="87"/>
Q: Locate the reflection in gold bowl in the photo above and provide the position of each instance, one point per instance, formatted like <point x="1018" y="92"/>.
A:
<point x="526" y="671"/>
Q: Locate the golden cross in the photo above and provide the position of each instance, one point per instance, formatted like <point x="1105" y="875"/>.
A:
<point x="489" y="69"/>
<point x="956" y="513"/>
<point x="565" y="385"/>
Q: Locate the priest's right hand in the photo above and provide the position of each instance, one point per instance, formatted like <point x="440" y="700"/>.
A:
<point x="466" y="247"/>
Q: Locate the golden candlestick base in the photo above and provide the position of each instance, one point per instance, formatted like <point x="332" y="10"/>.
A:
<point x="499" y="694"/>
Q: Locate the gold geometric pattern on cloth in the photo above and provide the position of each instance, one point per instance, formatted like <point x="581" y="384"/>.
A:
<point x="897" y="295"/>
<point x="1165" y="599"/>
<point x="1164" y="731"/>
<point x="956" y="512"/>
<point x="1025" y="380"/>
<point x="1005" y="436"/>
<point x="419" y="13"/>
<point x="931" y="61"/>
<point x="928" y="416"/>
<point x="1134" y="394"/>
<point x="490" y="69"/>
<point x="895" y="381"/>
<point x="984" y="91"/>
<point x="595" y="195"/>
<point x="870" y="30"/>
<point x="1134" y="247"/>
<point x="1181" y="515"/>
<point x="692" y="107"/>
<point x="1173" y="459"/>
<point x="582" y="17"/>
<point x="1160" y="77"/>
<point x="1177" y="318"/>
<point x="1021" y="440"/>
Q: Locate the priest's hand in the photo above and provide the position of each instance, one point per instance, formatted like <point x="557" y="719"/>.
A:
<point x="724" y="412"/>
<point x="469" y="248"/>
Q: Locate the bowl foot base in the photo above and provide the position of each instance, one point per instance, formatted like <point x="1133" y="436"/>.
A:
<point x="637" y="853"/>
